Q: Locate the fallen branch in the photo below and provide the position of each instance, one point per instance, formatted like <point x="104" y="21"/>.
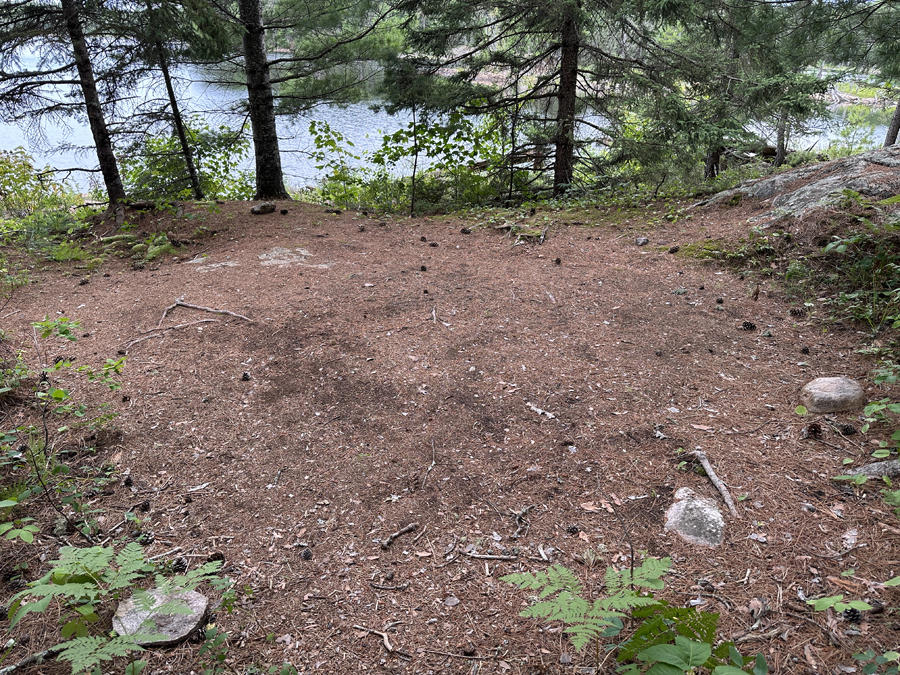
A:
<point x="387" y="643"/>
<point x="33" y="659"/>
<point x="491" y="556"/>
<point x="890" y="468"/>
<point x="550" y="415"/>
<point x="403" y="530"/>
<point x="460" y="656"/>
<point x="401" y="587"/>
<point x="714" y="479"/>
<point x="430" y="466"/>
<point x="178" y="327"/>
<point x="180" y="303"/>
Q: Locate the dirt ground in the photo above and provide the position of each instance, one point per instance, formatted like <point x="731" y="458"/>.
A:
<point x="391" y="371"/>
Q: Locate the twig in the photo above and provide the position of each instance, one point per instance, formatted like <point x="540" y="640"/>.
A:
<point x="141" y="339"/>
<point x="521" y="522"/>
<point x="434" y="314"/>
<point x="460" y="656"/>
<point x="736" y="433"/>
<point x="180" y="303"/>
<point x="491" y="556"/>
<point x="34" y="659"/>
<point x="6" y="316"/>
<point x="401" y="587"/>
<point x="163" y="555"/>
<point x="550" y="415"/>
<point x="714" y="479"/>
<point x="420" y="535"/>
<point x="834" y="639"/>
<point x="430" y="466"/>
<point x="403" y="530"/>
<point x="385" y="641"/>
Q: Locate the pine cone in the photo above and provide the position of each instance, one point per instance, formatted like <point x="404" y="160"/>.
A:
<point x="748" y="325"/>
<point x="852" y="615"/>
<point x="573" y="529"/>
<point x="847" y="429"/>
<point x="798" y="311"/>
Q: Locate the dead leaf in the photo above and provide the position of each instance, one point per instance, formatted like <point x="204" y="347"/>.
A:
<point x="615" y="499"/>
<point x="809" y="657"/>
<point x="452" y="601"/>
<point x="423" y="554"/>
<point x="591" y="507"/>
<point x="584" y="536"/>
<point x="504" y="665"/>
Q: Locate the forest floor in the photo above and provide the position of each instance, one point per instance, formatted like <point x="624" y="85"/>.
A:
<point x="442" y="372"/>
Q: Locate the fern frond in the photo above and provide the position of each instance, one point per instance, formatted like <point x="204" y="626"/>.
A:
<point x="565" y="607"/>
<point x="557" y="578"/>
<point x="584" y="633"/>
<point x="131" y="566"/>
<point x="662" y="623"/>
<point x="84" y="653"/>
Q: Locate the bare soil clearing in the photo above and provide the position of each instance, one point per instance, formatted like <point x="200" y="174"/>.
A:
<point x="398" y="371"/>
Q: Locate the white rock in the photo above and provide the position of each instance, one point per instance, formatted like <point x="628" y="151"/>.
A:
<point x="832" y="394"/>
<point x="131" y="618"/>
<point x="696" y="520"/>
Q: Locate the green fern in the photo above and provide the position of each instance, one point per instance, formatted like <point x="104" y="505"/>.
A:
<point x="587" y="621"/>
<point x="85" y="583"/>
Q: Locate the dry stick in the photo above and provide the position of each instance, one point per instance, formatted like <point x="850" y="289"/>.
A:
<point x="489" y="556"/>
<point x="420" y="535"/>
<point x="180" y="303"/>
<point x="403" y="530"/>
<point x="714" y="479"/>
<point x="384" y="637"/>
<point x="430" y="466"/>
<point x="735" y="432"/>
<point x="401" y="587"/>
<point x="833" y="638"/>
<point x="460" y="656"/>
<point x="34" y="659"/>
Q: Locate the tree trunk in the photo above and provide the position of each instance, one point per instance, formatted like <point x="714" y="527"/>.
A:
<point x="102" y="141"/>
<point x="781" y="141"/>
<point x="564" y="163"/>
<point x="711" y="170"/>
<point x="176" y="113"/>
<point x="269" y="177"/>
<point x="891" y="136"/>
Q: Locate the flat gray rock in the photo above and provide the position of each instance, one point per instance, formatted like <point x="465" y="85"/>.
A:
<point x="131" y="618"/>
<point x="697" y="520"/>
<point x="262" y="209"/>
<point x="873" y="174"/>
<point x="890" y="468"/>
<point x="832" y="394"/>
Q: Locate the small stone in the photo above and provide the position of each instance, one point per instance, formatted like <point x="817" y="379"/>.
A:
<point x="766" y="333"/>
<point x="696" y="520"/>
<point x="719" y="301"/>
<point x="642" y="241"/>
<point x="451" y="601"/>
<point x="132" y="617"/>
<point x="262" y="209"/>
<point x="469" y="650"/>
<point x="832" y="394"/>
<point x="245" y="376"/>
<point x="389" y="576"/>
<point x="565" y="659"/>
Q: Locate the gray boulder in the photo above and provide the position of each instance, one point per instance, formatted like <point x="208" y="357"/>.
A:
<point x="262" y="209"/>
<point x="874" y="174"/>
<point x="832" y="394"/>
<point x="131" y="617"/>
<point x="696" y="520"/>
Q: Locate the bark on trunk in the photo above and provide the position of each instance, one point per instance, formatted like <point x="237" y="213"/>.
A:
<point x="176" y="117"/>
<point x="564" y="163"/>
<point x="713" y="156"/>
<point x="109" y="168"/>
<point x="269" y="177"/>
<point x="891" y="136"/>
<point x="781" y="142"/>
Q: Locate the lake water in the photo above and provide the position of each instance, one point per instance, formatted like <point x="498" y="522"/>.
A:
<point x="358" y="123"/>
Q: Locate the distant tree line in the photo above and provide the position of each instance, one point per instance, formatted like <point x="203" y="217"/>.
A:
<point x="663" y="82"/>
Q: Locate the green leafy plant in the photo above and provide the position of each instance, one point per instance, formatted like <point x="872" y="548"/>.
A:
<point x="21" y="528"/>
<point x="885" y="664"/>
<point x="154" y="168"/>
<point x="86" y="582"/>
<point x="586" y="621"/>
